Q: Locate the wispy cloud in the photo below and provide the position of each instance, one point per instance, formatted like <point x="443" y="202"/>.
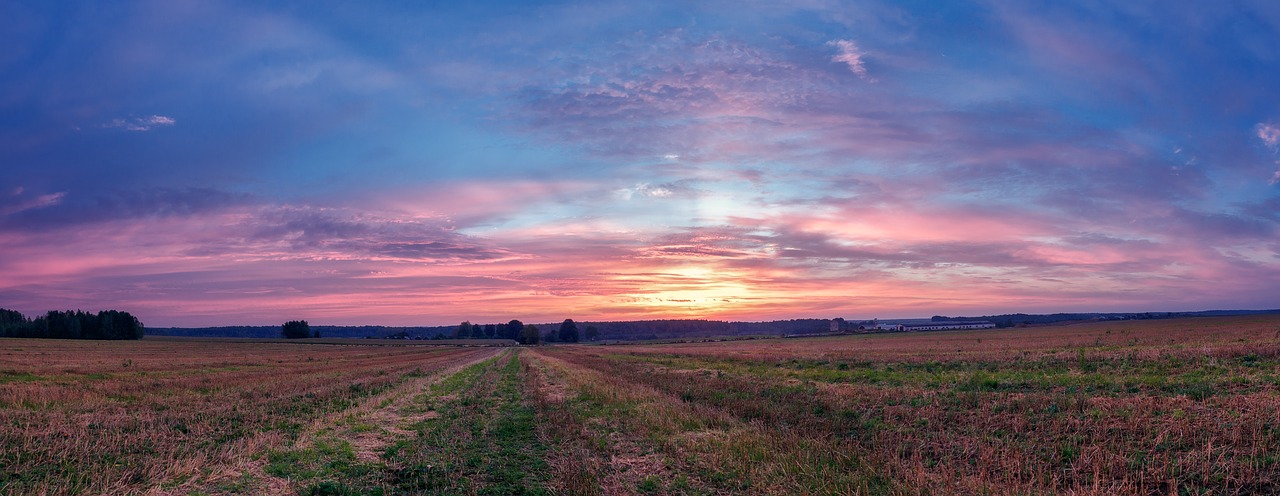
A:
<point x="16" y="202"/>
<point x="140" y="123"/>
<point x="848" y="53"/>
<point x="646" y="190"/>
<point x="123" y="204"/>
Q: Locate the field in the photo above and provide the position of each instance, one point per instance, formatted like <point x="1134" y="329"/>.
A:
<point x="1184" y="406"/>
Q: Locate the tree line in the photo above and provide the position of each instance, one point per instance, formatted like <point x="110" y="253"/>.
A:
<point x="107" y="324"/>
<point x="514" y="330"/>
<point x="696" y="328"/>
<point x="526" y="334"/>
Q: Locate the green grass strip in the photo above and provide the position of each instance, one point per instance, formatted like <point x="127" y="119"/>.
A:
<point x="483" y="441"/>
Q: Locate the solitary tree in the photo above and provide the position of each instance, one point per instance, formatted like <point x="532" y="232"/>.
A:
<point x="591" y="333"/>
<point x="568" y="331"/>
<point x="296" y="329"/>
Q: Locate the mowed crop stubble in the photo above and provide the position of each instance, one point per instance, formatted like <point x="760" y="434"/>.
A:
<point x="1179" y="406"/>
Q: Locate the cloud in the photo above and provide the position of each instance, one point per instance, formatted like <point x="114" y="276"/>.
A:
<point x="1269" y="134"/>
<point x="650" y="95"/>
<point x="15" y="203"/>
<point x="847" y="51"/>
<point x="646" y="190"/>
<point x="140" y="123"/>
<point x="307" y="232"/>
<point x="54" y="213"/>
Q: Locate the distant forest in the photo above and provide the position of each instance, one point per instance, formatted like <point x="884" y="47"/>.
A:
<point x="1020" y="319"/>
<point x="627" y="331"/>
<point x="664" y="329"/>
<point x="107" y="324"/>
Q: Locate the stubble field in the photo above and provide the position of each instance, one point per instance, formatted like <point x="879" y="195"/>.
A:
<point x="1185" y="406"/>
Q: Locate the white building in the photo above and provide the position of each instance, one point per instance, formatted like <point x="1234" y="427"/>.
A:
<point x="940" y="326"/>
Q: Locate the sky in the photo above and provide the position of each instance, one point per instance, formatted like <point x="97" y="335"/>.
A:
<point x="423" y="163"/>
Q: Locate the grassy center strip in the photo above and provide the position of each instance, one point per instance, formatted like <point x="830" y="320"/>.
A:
<point x="340" y="453"/>
<point x="480" y="440"/>
<point x="178" y="420"/>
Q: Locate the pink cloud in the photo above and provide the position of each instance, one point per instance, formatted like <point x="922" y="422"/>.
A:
<point x="1269" y="134"/>
<point x="848" y="53"/>
<point x="330" y="269"/>
<point x="491" y="251"/>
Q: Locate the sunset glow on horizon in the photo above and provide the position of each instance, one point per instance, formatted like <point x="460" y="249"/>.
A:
<point x="227" y="163"/>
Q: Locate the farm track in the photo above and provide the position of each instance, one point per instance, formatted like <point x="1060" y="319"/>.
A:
<point x="465" y="431"/>
<point x="162" y="418"/>
<point x="366" y="429"/>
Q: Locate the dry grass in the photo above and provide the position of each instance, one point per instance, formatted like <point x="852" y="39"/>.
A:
<point x="633" y="437"/>
<point x="81" y="417"/>
<point x="1220" y="336"/>
<point x="1181" y="406"/>
<point x="1185" y="406"/>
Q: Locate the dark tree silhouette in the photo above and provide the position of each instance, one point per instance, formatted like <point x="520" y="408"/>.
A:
<point x="529" y="335"/>
<point x="568" y="331"/>
<point x="114" y="324"/>
<point x="513" y="330"/>
<point x="591" y="333"/>
<point x="107" y="324"/>
<point x="12" y="322"/>
<point x="296" y="329"/>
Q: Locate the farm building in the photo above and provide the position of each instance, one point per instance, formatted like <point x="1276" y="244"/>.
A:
<point x="931" y="326"/>
<point x="939" y="326"/>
